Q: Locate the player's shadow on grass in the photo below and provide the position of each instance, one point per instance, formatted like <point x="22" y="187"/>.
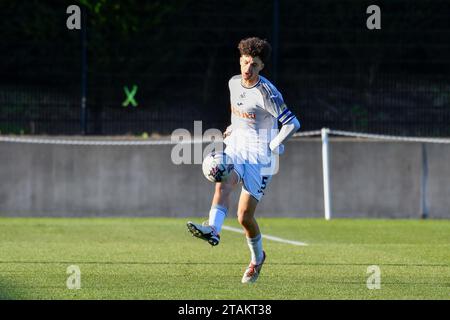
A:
<point x="6" y="291"/>
<point x="223" y="263"/>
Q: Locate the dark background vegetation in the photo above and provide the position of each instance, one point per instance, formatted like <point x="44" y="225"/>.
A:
<point x="333" y="71"/>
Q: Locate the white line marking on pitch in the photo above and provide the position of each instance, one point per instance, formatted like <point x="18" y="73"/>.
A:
<point x="295" y="243"/>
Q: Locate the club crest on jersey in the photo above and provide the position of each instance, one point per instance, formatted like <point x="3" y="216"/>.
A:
<point x="242" y="95"/>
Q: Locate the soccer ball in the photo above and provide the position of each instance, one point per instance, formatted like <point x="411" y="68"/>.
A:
<point x="217" y="167"/>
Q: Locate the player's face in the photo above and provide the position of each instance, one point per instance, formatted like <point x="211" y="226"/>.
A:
<point x="250" y="67"/>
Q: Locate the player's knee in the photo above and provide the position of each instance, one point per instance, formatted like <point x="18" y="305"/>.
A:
<point x="245" y="218"/>
<point x="223" y="189"/>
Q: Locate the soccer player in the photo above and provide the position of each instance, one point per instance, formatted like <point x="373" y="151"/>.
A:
<point x="252" y="142"/>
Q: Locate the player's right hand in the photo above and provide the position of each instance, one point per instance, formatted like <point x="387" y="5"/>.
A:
<point x="227" y="132"/>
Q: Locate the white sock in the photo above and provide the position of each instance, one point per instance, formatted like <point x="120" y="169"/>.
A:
<point x="255" y="245"/>
<point x="217" y="216"/>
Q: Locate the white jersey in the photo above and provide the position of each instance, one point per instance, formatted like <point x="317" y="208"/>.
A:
<point x="255" y="113"/>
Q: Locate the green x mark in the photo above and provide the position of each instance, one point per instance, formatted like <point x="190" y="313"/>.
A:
<point x="130" y="96"/>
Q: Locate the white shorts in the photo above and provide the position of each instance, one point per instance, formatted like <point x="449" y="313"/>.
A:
<point x="255" y="177"/>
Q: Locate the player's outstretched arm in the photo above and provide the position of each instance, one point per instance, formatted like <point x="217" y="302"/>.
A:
<point x="286" y="131"/>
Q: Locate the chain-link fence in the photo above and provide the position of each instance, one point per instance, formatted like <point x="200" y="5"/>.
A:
<point x="157" y="66"/>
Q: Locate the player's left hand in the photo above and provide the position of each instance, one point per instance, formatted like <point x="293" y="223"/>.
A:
<point x="277" y="149"/>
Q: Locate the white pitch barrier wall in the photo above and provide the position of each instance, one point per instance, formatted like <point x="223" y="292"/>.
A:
<point x="367" y="178"/>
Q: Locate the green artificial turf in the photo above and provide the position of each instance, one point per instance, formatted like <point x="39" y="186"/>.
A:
<point x="156" y="258"/>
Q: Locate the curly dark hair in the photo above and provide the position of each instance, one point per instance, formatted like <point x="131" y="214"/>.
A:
<point x="255" y="47"/>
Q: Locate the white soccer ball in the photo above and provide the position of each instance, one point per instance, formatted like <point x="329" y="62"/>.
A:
<point x="217" y="167"/>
